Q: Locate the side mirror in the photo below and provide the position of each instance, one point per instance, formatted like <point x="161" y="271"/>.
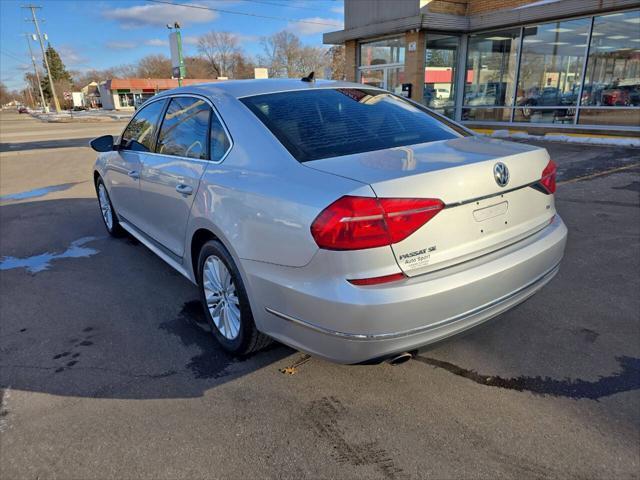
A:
<point x="103" y="143"/>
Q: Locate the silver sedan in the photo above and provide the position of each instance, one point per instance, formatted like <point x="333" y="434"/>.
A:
<point x="336" y="218"/>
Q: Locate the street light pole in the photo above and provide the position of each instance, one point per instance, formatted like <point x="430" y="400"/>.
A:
<point x="44" y="55"/>
<point x="45" y="107"/>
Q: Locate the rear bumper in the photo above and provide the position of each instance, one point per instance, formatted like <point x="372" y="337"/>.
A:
<point x="349" y="324"/>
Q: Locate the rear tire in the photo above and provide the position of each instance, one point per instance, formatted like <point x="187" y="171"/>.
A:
<point x="225" y="302"/>
<point x="107" y="211"/>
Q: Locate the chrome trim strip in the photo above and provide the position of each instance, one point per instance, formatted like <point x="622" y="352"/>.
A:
<point x="491" y="195"/>
<point x="414" y="331"/>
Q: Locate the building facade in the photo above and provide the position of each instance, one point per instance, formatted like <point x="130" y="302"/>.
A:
<point x="127" y="93"/>
<point x="561" y="64"/>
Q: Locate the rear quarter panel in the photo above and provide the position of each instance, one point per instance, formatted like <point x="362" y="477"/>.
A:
<point x="259" y="200"/>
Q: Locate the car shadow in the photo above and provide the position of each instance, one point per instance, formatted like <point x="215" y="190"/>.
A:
<point x="58" y="143"/>
<point x="111" y="321"/>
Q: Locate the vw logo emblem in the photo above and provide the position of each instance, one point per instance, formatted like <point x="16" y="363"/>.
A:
<point x="501" y="174"/>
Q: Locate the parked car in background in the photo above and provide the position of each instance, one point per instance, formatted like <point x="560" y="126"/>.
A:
<point x="23" y="109"/>
<point x="337" y="218"/>
<point x="627" y="95"/>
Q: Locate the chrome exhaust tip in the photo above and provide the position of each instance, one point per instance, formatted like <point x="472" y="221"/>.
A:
<point x="400" y="359"/>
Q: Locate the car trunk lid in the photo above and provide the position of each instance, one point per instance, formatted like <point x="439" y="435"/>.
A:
<point x="480" y="216"/>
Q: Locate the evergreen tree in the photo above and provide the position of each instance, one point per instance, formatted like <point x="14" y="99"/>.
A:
<point x="59" y="72"/>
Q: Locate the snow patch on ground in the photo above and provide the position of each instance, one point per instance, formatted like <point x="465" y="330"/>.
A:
<point x="41" y="262"/>
<point x="555" y="137"/>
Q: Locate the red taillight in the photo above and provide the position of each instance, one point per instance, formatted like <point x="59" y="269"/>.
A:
<point x="394" y="277"/>
<point x="355" y="223"/>
<point x="548" y="179"/>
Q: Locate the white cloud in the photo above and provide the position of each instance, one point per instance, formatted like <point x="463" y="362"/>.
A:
<point x="339" y="10"/>
<point x="118" y="45"/>
<point x="190" y="40"/>
<point x="160" y="15"/>
<point x="70" y="56"/>
<point x="316" y="25"/>
<point x="156" y="42"/>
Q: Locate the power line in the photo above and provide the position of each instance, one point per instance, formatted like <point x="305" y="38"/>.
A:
<point x="200" y="7"/>
<point x="9" y="54"/>
<point x="284" y="5"/>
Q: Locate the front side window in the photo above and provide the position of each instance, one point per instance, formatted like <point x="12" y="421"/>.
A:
<point x="315" y="124"/>
<point x="140" y="132"/>
<point x="184" y="131"/>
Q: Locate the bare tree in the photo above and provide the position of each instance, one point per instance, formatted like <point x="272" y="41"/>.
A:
<point x="221" y="50"/>
<point x="197" y="67"/>
<point x="285" y="56"/>
<point x="337" y="62"/>
<point x="154" y="66"/>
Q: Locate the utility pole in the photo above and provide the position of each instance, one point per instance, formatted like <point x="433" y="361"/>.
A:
<point x="45" y="107"/>
<point x="44" y="54"/>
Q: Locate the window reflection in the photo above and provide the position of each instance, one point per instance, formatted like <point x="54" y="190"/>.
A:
<point x="380" y="52"/>
<point x="550" y="69"/>
<point x="440" y="73"/>
<point x="613" y="70"/>
<point x="491" y="67"/>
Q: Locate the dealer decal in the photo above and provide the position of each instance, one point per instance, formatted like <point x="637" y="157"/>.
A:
<point x="415" y="259"/>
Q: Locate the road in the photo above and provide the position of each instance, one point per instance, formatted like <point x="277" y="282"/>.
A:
<point x="106" y="371"/>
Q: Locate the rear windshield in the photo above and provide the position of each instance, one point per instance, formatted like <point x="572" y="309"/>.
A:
<point x="322" y="123"/>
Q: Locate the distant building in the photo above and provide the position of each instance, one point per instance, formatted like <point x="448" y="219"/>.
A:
<point x="125" y="93"/>
<point x="565" y="64"/>
<point x="91" y="95"/>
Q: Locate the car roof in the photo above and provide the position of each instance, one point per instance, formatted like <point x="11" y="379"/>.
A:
<point x="246" y="88"/>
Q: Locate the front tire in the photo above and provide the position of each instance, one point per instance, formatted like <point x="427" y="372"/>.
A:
<point x="225" y="302"/>
<point x="109" y="216"/>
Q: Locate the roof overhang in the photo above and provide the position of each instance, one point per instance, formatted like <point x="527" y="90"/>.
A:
<point x="536" y="12"/>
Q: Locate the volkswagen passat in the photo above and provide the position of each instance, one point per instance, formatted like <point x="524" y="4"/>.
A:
<point x="337" y="218"/>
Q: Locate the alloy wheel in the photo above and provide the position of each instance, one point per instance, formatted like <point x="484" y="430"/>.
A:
<point x="222" y="300"/>
<point x="105" y="206"/>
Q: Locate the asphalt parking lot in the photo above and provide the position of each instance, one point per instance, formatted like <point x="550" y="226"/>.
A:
<point x="106" y="371"/>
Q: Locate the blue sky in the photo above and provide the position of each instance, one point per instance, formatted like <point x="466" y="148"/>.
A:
<point x="99" y="34"/>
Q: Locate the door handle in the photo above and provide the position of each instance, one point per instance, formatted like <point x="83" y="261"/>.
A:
<point x="184" y="189"/>
<point x="134" y="174"/>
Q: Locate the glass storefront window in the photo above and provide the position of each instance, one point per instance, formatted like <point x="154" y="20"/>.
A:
<point x="440" y="73"/>
<point x="395" y="79"/>
<point x="373" y="77"/>
<point x="622" y="117"/>
<point x="550" y="70"/>
<point x="491" y="68"/>
<point x="381" y="52"/>
<point x="486" y="114"/>
<point x="613" y="70"/>
<point x="545" y="115"/>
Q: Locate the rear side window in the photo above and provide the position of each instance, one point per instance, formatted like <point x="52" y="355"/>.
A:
<point x="220" y="142"/>
<point x="185" y="128"/>
<point x="322" y="123"/>
<point x="140" y="132"/>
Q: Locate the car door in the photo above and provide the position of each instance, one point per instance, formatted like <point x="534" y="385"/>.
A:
<point x="170" y="176"/>
<point x="124" y="167"/>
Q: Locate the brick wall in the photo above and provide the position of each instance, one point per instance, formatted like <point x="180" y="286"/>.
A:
<point x="481" y="6"/>
<point x="414" y="63"/>
<point x="450" y="7"/>
<point x="350" y="60"/>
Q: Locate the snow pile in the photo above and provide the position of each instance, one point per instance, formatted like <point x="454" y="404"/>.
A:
<point x="556" y="137"/>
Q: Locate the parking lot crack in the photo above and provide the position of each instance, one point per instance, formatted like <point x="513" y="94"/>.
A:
<point x="626" y="380"/>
